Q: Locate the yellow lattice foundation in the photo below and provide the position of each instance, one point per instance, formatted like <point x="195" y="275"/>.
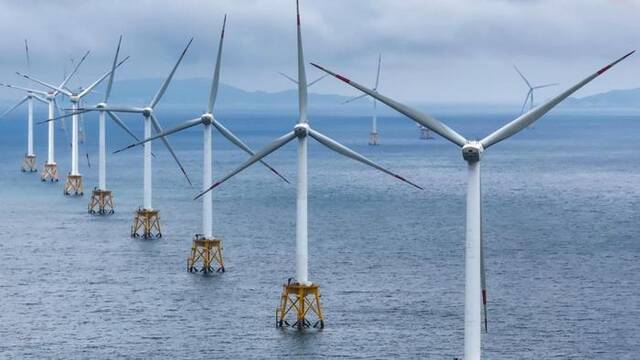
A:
<point x="302" y="301"/>
<point x="50" y="173"/>
<point x="373" y="138"/>
<point x="146" y="224"/>
<point x="29" y="164"/>
<point x="73" y="185"/>
<point x="101" y="202"/>
<point x="208" y="253"/>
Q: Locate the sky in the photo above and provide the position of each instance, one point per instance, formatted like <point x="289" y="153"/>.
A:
<point x="445" y="51"/>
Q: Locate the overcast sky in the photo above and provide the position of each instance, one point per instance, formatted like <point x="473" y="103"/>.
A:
<point x="433" y="51"/>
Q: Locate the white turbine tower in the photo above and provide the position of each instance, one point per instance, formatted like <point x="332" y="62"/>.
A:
<point x="146" y="222"/>
<point x="29" y="162"/>
<point x="74" y="179"/>
<point x="206" y="247"/>
<point x="475" y="293"/>
<point x="102" y="198"/>
<point x="374" y="137"/>
<point x="296" y="292"/>
<point x="529" y="97"/>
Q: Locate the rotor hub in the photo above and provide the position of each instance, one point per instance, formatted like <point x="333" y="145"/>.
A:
<point x="301" y="130"/>
<point x="74" y="98"/>
<point x="207" y="119"/>
<point x="50" y="96"/>
<point x="146" y="112"/>
<point x="472" y="150"/>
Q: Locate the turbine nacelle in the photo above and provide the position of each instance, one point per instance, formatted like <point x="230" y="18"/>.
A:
<point x="74" y="98"/>
<point x="50" y="96"/>
<point x="146" y="112"/>
<point x="301" y="130"/>
<point x="472" y="150"/>
<point x="101" y="105"/>
<point x="207" y="119"/>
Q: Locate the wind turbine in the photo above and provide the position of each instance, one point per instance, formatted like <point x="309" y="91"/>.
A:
<point x="374" y="137"/>
<point x="29" y="162"/>
<point x="295" y="293"/>
<point x="102" y="198"/>
<point x="475" y="291"/>
<point x="532" y="89"/>
<point x="146" y="222"/>
<point x="74" y="179"/>
<point x="206" y="247"/>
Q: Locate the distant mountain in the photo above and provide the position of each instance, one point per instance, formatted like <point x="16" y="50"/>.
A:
<point x="615" y="99"/>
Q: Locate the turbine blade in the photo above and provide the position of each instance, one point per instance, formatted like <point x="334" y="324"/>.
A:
<point x="100" y="79"/>
<point x="216" y="73"/>
<point x="483" y="280"/>
<point x="522" y="76"/>
<point x="52" y="87"/>
<point x="354" y="99"/>
<point x="288" y="77"/>
<point x="525" y="101"/>
<point x="544" y="86"/>
<point x="236" y="141"/>
<point x="302" y="75"/>
<point x="113" y="71"/>
<point x="65" y="115"/>
<point x="124" y="109"/>
<point x="40" y="92"/>
<point x="531" y="116"/>
<point x="278" y="143"/>
<point x="378" y="73"/>
<point x="14" y="106"/>
<point x="26" y="50"/>
<point x="343" y="150"/>
<point x="37" y="97"/>
<point x="75" y="69"/>
<point x="415" y="115"/>
<point x="166" y="82"/>
<point x="316" y="80"/>
<point x="187" y="124"/>
<point x="158" y="129"/>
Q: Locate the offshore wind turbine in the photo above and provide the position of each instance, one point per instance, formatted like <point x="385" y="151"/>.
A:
<point x="475" y="291"/>
<point x="102" y="198"/>
<point x="295" y="293"/>
<point x="374" y="137"/>
<point x="29" y="162"/>
<point x="207" y="247"/>
<point x="532" y="88"/>
<point x="146" y="222"/>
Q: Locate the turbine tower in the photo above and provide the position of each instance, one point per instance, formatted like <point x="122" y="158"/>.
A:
<point x="532" y="89"/>
<point x="475" y="291"/>
<point x="29" y="161"/>
<point x="296" y="292"/>
<point x="374" y="137"/>
<point x="206" y="247"/>
<point x="146" y="222"/>
<point x="102" y="198"/>
<point x="73" y="183"/>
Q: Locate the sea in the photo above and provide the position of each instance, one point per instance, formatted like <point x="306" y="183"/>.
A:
<point x="561" y="217"/>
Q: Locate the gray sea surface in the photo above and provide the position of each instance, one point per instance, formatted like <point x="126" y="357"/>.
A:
<point x="561" y="217"/>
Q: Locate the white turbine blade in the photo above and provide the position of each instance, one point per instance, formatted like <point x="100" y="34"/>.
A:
<point x="525" y="100"/>
<point x="52" y="87"/>
<point x="288" y="77"/>
<point x="528" y="118"/>
<point x="236" y="141"/>
<point x="215" y="83"/>
<point x="302" y="75"/>
<point x="37" y="97"/>
<point x="278" y="143"/>
<point x="187" y="124"/>
<point x="354" y="99"/>
<point x="415" y="115"/>
<point x="116" y="119"/>
<point x="65" y="115"/>
<point x="120" y="109"/>
<point x="522" y="76"/>
<point x="544" y="86"/>
<point x="158" y="129"/>
<point x="113" y="71"/>
<point x="316" y="80"/>
<point x="378" y="73"/>
<point x="40" y="92"/>
<point x="75" y="69"/>
<point x="26" y="49"/>
<point x="14" y="106"/>
<point x="100" y="79"/>
<point x="166" y="82"/>
<point x="343" y="150"/>
<point x="483" y="280"/>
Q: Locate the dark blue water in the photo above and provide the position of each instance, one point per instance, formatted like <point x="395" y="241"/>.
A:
<point x="562" y="208"/>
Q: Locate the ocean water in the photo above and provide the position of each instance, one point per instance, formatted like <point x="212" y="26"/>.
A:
<point x="561" y="220"/>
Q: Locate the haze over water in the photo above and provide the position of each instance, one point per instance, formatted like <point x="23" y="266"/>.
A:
<point x="561" y="213"/>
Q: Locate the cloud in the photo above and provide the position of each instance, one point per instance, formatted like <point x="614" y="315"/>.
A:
<point x="433" y="50"/>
